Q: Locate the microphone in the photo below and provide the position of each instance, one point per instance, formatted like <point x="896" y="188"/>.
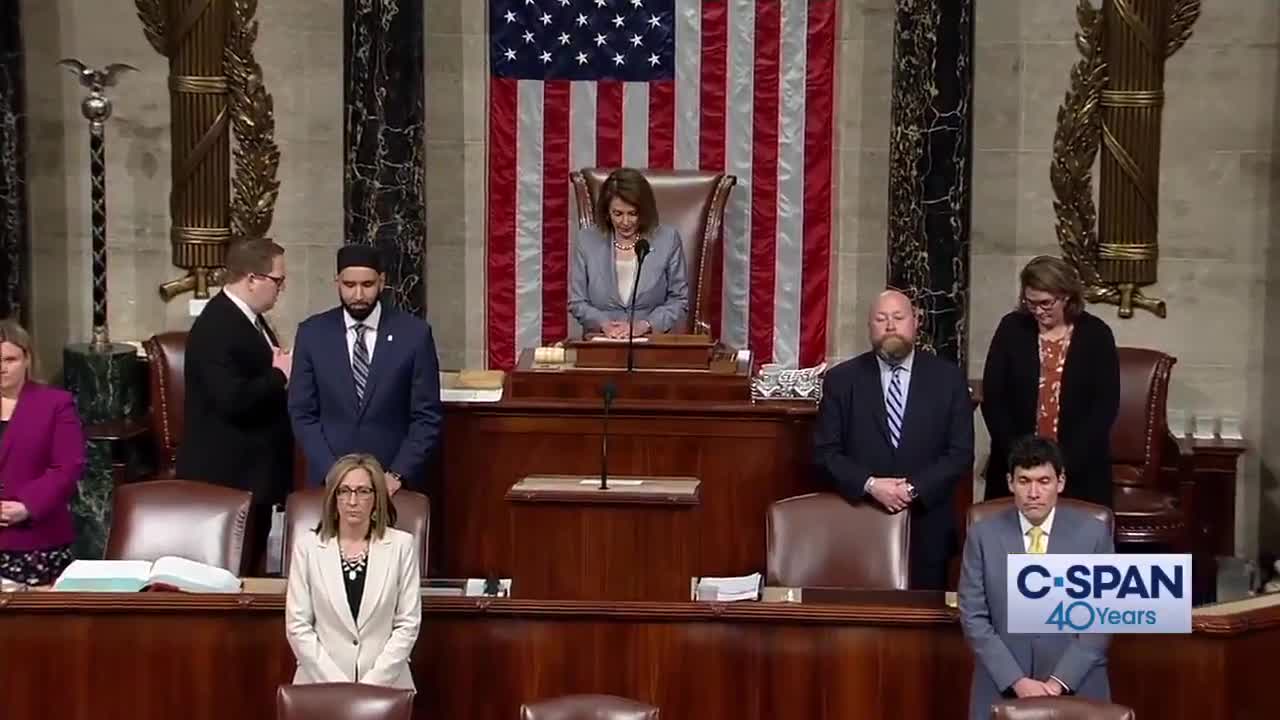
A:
<point x="642" y="251"/>
<point x="609" y="391"/>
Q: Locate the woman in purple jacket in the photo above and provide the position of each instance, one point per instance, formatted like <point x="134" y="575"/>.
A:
<point x="41" y="458"/>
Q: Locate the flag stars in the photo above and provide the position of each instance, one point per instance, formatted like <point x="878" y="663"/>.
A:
<point x="581" y="58"/>
<point x="636" y="41"/>
<point x="510" y="17"/>
<point x="654" y="21"/>
<point x="528" y="37"/>
<point x="564" y="3"/>
<point x="511" y="54"/>
<point x="601" y="3"/>
<point x="564" y="38"/>
<point x="653" y="59"/>
<point x="545" y="57"/>
<point x="618" y="21"/>
<point x="546" y="18"/>
<point x="581" y="20"/>
<point x="618" y="59"/>
<point x="600" y="39"/>
<point x="637" y="3"/>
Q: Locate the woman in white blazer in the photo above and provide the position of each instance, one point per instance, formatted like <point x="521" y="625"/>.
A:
<point x="607" y="271"/>
<point x="354" y="604"/>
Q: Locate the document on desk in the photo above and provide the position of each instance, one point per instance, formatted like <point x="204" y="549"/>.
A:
<point x="133" y="575"/>
<point x="727" y="589"/>
<point x="607" y="339"/>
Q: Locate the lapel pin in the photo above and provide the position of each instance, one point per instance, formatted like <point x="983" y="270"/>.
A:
<point x="389" y="338"/>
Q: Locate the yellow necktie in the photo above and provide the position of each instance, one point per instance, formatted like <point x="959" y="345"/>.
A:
<point x="1038" y="538"/>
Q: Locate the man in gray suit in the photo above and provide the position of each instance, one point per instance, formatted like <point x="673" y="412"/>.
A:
<point x="1028" y="665"/>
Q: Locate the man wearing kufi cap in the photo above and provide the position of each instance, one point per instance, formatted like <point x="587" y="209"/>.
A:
<point x="365" y="378"/>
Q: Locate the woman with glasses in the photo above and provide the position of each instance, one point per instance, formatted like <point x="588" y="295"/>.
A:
<point x="354" y="604"/>
<point x="607" y="271"/>
<point x="1052" y="370"/>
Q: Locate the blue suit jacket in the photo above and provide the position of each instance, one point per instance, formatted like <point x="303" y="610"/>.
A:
<point x="662" y="296"/>
<point x="399" y="421"/>
<point x="1002" y="659"/>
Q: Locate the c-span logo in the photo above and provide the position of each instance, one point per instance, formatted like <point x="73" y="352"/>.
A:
<point x="1099" y="593"/>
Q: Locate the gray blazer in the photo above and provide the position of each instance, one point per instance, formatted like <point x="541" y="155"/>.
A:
<point x="1080" y="661"/>
<point x="662" y="296"/>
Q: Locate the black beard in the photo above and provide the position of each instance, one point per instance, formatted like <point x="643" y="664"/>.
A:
<point x="359" y="314"/>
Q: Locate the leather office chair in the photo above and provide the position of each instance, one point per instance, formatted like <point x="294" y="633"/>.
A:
<point x="166" y="359"/>
<point x="302" y="514"/>
<point x="810" y="539"/>
<point x="984" y="510"/>
<point x="194" y="520"/>
<point x="1150" y="507"/>
<point x="343" y="701"/>
<point x="690" y="201"/>
<point x="588" y="707"/>
<point x="1059" y="708"/>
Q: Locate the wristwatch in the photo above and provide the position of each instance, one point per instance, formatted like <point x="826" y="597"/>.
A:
<point x="911" y="490"/>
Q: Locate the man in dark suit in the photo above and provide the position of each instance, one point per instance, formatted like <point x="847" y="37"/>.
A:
<point x="237" y="418"/>
<point x="1025" y="665"/>
<point x="896" y="426"/>
<point x="367" y="378"/>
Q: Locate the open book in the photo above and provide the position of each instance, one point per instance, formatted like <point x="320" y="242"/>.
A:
<point x="167" y="573"/>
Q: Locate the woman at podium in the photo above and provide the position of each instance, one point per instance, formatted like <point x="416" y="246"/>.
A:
<point x="628" y="255"/>
<point x="42" y="453"/>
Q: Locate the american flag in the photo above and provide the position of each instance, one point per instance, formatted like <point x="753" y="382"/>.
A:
<point x="734" y="86"/>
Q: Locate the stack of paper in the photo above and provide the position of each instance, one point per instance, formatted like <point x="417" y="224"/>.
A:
<point x="728" y="589"/>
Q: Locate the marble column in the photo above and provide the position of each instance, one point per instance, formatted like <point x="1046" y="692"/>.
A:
<point x="930" y="167"/>
<point x="109" y="387"/>
<point x="15" y="249"/>
<point x="383" y="129"/>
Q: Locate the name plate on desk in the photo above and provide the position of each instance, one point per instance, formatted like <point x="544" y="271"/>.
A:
<point x="627" y="489"/>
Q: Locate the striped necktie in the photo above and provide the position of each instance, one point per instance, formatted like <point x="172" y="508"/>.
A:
<point x="1038" y="537"/>
<point x="360" y="361"/>
<point x="893" y="405"/>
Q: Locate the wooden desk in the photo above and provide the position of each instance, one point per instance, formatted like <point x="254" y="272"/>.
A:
<point x="744" y="455"/>
<point x="159" y="656"/>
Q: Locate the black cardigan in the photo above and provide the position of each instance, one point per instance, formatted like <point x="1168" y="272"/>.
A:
<point x="1090" y="399"/>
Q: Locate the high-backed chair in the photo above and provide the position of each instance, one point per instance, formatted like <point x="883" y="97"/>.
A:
<point x="1059" y="708"/>
<point x="302" y="514"/>
<point x="588" y="707"/>
<point x="812" y="538"/>
<point x="692" y="202"/>
<point x="343" y="701"/>
<point x="194" y="520"/>
<point x="1150" y="506"/>
<point x="983" y="510"/>
<point x="166" y="359"/>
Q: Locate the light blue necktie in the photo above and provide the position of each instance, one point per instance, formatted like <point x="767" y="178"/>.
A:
<point x="893" y="405"/>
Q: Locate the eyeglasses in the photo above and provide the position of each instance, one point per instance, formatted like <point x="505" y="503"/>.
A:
<point x="279" y="281"/>
<point x="1045" y="305"/>
<point x="360" y="492"/>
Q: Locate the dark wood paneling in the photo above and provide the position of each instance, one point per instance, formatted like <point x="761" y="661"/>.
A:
<point x="745" y="456"/>
<point x="159" y="656"/>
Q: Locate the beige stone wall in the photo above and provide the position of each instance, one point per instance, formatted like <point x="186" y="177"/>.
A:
<point x="1218" y="185"/>
<point x="301" y="53"/>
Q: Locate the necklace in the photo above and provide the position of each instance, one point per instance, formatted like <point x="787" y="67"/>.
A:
<point x="620" y="246"/>
<point x="353" y="566"/>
